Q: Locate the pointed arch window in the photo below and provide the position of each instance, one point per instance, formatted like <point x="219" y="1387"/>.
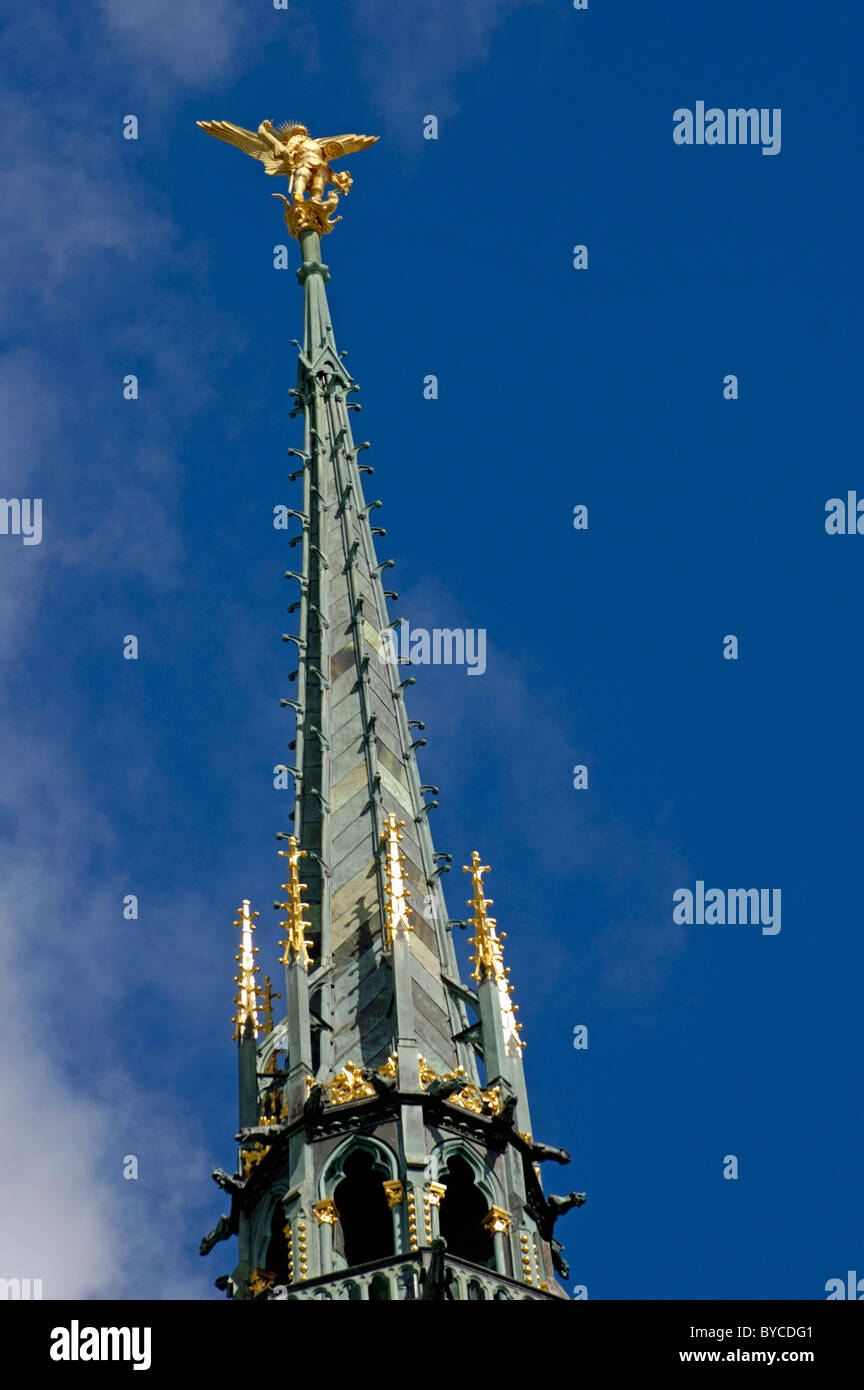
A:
<point x="379" y="1289"/>
<point x="463" y="1211"/>
<point x="365" y="1218"/>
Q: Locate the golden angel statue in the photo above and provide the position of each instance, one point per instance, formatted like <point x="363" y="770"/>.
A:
<point x="291" y="150"/>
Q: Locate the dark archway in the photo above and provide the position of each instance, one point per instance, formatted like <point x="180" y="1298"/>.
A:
<point x="278" y="1250"/>
<point x="463" y="1209"/>
<point x="364" y="1215"/>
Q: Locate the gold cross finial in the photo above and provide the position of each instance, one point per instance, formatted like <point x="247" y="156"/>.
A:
<point x="396" y="909"/>
<point x="295" y="943"/>
<point x="488" y="958"/>
<point x="247" y="996"/>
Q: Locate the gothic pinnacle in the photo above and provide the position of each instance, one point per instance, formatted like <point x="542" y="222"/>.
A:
<point x="488" y="957"/>
<point x="247" y="996"/>
<point x="296" y="947"/>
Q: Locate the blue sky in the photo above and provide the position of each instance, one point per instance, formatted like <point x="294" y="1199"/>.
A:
<point x="557" y="387"/>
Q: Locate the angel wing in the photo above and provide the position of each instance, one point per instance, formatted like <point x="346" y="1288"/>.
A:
<point x="337" y="146"/>
<point x="249" y="141"/>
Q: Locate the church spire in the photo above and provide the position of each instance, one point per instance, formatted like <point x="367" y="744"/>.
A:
<point x="401" y="1163"/>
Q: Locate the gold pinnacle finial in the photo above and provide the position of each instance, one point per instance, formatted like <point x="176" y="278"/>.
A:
<point x="267" y="1006"/>
<point x="295" y="943"/>
<point x="396" y="909"/>
<point x="488" y="958"/>
<point x="247" y="996"/>
<point x="305" y="160"/>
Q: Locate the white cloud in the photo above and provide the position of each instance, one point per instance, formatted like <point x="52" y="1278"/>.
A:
<point x="69" y="1110"/>
<point x="58" y="1212"/>
<point x="194" y="40"/>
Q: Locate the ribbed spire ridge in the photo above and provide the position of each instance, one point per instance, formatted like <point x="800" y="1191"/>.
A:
<point x="355" y="769"/>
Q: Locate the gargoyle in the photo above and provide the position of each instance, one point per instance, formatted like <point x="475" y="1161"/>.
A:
<point x="539" y="1153"/>
<point x="436" y="1280"/>
<point x="314" y="1106"/>
<point x="225" y="1227"/>
<point x="559" y="1205"/>
<point x="264" y="1134"/>
<point x="443" y="1089"/>
<point x="232" y="1183"/>
<point x="384" y="1085"/>
<point x="559" y="1264"/>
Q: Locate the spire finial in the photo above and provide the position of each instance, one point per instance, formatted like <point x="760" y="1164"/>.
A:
<point x="488" y="957"/>
<point x="295" y="943"/>
<point x="396" y="909"/>
<point x="247" y="996"/>
<point x="267" y="1006"/>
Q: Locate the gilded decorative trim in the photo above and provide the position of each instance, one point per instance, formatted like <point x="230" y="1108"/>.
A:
<point x="250" y="1158"/>
<point x="261" y="1279"/>
<point x="325" y="1212"/>
<point x="396" y="909"/>
<point x="471" y="1097"/>
<point x="496" y="1220"/>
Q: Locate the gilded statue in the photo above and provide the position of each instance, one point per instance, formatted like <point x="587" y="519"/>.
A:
<point x="305" y="160"/>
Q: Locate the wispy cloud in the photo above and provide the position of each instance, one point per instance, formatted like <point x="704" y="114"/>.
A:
<point x="411" y="55"/>
<point x="194" y="42"/>
<point x="74" y="215"/>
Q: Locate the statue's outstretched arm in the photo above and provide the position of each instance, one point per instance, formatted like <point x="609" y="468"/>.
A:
<point x="266" y="131"/>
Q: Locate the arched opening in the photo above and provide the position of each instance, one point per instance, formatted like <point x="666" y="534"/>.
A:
<point x="364" y="1215"/>
<point x="476" y="1292"/>
<point x="379" y="1289"/>
<point x="461" y="1215"/>
<point x="278" y="1250"/>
